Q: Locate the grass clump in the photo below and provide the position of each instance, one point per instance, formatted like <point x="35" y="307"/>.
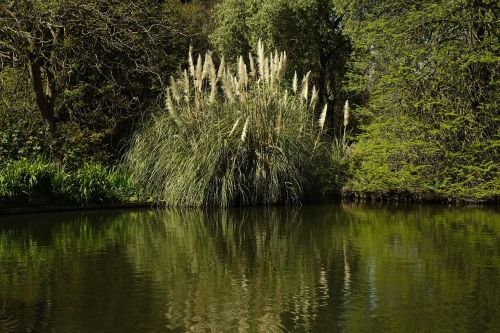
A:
<point x="234" y="139"/>
<point x="23" y="179"/>
<point x="48" y="182"/>
<point x="97" y="183"/>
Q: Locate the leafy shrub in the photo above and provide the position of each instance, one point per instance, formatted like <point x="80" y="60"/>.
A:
<point x="233" y="139"/>
<point x="404" y="156"/>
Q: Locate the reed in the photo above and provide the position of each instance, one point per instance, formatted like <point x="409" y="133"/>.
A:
<point x="241" y="139"/>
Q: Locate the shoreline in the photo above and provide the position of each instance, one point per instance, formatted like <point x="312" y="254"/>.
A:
<point x="19" y="208"/>
<point x="372" y="197"/>
<point x="48" y="208"/>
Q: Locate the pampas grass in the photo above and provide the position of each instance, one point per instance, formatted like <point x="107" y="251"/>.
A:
<point x="346" y="117"/>
<point x="322" y="118"/>
<point x="295" y="83"/>
<point x="244" y="131"/>
<point x="240" y="139"/>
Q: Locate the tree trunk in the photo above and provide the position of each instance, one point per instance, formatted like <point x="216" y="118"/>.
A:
<point x="44" y="101"/>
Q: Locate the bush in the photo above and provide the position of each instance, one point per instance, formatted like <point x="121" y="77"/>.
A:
<point x="402" y="156"/>
<point x="233" y="139"/>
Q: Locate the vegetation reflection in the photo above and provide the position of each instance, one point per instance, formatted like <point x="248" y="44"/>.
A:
<point x="256" y="270"/>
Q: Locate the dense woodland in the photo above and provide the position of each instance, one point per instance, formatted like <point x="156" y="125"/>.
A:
<point x="104" y="100"/>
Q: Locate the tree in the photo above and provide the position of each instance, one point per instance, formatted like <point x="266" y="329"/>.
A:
<point x="431" y="71"/>
<point x="96" y="66"/>
<point x="310" y="31"/>
<point x="33" y="40"/>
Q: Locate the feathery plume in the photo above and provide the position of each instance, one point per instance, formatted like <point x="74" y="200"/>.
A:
<point x="222" y="67"/>
<point x="198" y="72"/>
<point x="276" y="61"/>
<point x="322" y="118"/>
<point x="191" y="62"/>
<point x="227" y="86"/>
<point x="242" y="72"/>
<point x="272" y="70"/>
<point x="283" y="63"/>
<point x="244" y="132"/>
<point x="213" y="84"/>
<point x="346" y="113"/>
<point x="266" y="69"/>
<point x="280" y="64"/>
<point x="306" y="77"/>
<point x="170" y="105"/>
<point x="175" y="90"/>
<point x="295" y="83"/>
<point x="234" y="126"/>
<point x="314" y="97"/>
<point x="285" y="97"/>
<point x="305" y="87"/>
<point x="206" y="65"/>
<point x="261" y="58"/>
<point x="186" y="86"/>
<point x="272" y="65"/>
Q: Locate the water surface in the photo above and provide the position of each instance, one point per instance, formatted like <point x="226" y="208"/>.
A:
<point x="342" y="268"/>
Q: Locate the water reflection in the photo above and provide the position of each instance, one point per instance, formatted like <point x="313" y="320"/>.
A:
<point x="320" y="268"/>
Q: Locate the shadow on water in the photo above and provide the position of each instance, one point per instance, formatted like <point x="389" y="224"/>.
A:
<point x="316" y="268"/>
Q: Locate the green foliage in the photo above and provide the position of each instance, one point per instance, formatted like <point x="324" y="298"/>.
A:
<point x="78" y="144"/>
<point x="399" y="157"/>
<point x="257" y="143"/>
<point x="339" y="171"/>
<point x="21" y="129"/>
<point x="43" y="181"/>
<point x="24" y="136"/>
<point x="21" y="140"/>
<point x="431" y="122"/>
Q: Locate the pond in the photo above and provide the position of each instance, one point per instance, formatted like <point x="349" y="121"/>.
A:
<point x="335" y="268"/>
